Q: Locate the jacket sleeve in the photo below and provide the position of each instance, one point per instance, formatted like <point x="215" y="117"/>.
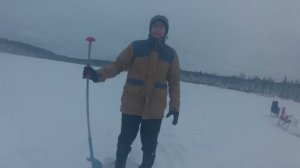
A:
<point x="174" y="84"/>
<point x="122" y="62"/>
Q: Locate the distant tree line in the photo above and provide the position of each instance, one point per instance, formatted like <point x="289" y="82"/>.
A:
<point x="266" y="86"/>
<point x="20" y="48"/>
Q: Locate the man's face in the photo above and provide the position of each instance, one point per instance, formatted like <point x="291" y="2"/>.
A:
<point x="158" y="30"/>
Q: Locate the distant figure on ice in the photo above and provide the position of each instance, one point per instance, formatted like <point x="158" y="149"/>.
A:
<point x="284" y="119"/>
<point x="153" y="72"/>
<point x="275" y="109"/>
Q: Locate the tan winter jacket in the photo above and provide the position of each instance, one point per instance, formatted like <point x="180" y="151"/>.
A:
<point x="152" y="71"/>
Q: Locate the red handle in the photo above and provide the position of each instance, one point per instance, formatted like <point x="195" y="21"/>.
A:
<point x="90" y="39"/>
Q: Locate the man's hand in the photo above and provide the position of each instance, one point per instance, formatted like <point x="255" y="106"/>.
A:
<point x="175" y="116"/>
<point x="90" y="73"/>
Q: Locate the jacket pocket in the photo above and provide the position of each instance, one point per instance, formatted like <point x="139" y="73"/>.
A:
<point x="159" y="101"/>
<point x="132" y="99"/>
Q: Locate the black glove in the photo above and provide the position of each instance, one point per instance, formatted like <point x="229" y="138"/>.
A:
<point x="175" y="118"/>
<point x="90" y="73"/>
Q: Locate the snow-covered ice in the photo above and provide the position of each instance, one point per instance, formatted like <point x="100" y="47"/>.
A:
<point x="43" y="123"/>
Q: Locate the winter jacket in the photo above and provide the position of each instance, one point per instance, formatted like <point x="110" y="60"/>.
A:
<point x="152" y="72"/>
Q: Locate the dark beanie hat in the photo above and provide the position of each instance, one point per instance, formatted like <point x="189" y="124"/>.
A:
<point x="159" y="18"/>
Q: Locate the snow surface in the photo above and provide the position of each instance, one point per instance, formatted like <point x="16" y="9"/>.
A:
<point x="43" y="123"/>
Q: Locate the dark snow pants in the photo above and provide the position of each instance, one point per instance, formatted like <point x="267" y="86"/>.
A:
<point x="149" y="130"/>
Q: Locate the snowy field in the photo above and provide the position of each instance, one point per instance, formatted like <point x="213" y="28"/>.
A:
<point x="43" y="123"/>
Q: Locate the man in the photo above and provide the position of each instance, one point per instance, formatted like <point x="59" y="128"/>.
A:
<point x="153" y="67"/>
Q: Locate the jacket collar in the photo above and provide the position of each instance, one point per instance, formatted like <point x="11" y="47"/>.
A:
<point x="156" y="44"/>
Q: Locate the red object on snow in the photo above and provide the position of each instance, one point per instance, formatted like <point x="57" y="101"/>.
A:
<point x="90" y="39"/>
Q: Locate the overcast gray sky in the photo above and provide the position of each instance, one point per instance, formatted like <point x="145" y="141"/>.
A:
<point x="226" y="37"/>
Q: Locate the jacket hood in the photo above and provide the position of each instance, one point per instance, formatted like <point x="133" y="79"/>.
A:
<point x="159" y="18"/>
<point x="152" y="41"/>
